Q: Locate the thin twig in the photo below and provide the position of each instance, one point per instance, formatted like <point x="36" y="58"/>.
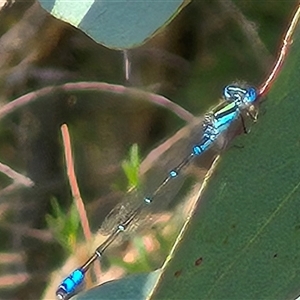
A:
<point x="7" y="281"/>
<point x="75" y="189"/>
<point x="96" y="86"/>
<point x="287" y="41"/>
<point x="43" y="235"/>
<point x="18" y="178"/>
<point x="8" y="189"/>
<point x="73" y="183"/>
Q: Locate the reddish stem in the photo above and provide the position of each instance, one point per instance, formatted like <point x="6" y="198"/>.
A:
<point x="287" y="41"/>
<point x="75" y="188"/>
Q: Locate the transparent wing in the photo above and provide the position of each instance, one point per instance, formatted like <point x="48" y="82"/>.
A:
<point x="156" y="167"/>
<point x="154" y="170"/>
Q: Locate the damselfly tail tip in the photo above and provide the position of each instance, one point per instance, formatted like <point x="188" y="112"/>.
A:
<point x="70" y="284"/>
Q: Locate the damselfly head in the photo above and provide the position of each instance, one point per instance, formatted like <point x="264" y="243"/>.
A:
<point x="241" y="95"/>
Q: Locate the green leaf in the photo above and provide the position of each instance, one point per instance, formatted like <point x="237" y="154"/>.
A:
<point x="115" y="24"/>
<point x="131" y="167"/>
<point x="243" y="239"/>
<point x="64" y="226"/>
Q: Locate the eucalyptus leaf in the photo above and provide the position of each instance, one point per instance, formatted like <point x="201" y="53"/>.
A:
<point x="116" y="24"/>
